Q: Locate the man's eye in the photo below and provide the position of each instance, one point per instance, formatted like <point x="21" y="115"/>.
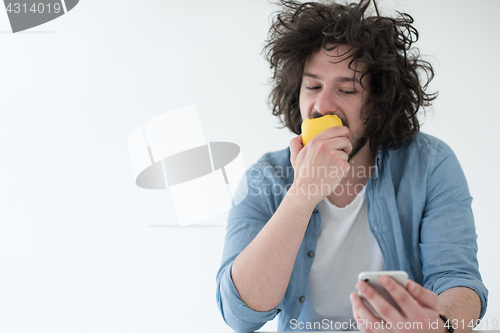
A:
<point x="312" y="88"/>
<point x="348" y="92"/>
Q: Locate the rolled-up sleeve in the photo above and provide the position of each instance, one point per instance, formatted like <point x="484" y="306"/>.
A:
<point x="448" y="243"/>
<point x="245" y="221"/>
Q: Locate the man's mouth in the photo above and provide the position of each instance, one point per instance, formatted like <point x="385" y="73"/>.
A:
<point x="315" y="114"/>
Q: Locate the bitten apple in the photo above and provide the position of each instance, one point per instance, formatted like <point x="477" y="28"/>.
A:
<point x="312" y="127"/>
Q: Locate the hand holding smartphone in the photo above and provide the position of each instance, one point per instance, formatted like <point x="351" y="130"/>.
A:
<point x="371" y="278"/>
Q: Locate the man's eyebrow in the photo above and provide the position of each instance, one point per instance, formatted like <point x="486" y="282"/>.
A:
<point x="337" y="79"/>
<point x="347" y="79"/>
<point x="314" y="76"/>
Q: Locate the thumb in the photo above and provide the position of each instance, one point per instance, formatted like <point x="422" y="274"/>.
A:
<point x="295" y="147"/>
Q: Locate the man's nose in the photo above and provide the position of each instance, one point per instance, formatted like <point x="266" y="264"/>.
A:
<point x="326" y="102"/>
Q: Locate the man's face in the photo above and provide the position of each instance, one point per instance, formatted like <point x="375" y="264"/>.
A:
<point x="331" y="87"/>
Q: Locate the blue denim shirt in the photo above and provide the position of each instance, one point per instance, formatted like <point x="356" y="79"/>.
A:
<point x="419" y="210"/>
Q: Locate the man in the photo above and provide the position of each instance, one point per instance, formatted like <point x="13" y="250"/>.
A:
<point x="374" y="194"/>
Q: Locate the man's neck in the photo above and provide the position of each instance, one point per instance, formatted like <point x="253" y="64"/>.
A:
<point x="362" y="167"/>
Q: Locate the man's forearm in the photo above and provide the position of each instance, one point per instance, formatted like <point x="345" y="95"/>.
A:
<point x="461" y="306"/>
<point x="261" y="272"/>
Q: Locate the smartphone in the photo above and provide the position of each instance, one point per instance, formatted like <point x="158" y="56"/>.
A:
<point x="371" y="278"/>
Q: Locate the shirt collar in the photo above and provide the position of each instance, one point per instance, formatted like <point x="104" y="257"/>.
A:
<point x="379" y="163"/>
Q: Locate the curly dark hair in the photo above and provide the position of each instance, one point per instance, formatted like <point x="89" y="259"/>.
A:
<point x="383" y="44"/>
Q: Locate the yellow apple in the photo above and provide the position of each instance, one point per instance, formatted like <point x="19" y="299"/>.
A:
<point x="312" y="127"/>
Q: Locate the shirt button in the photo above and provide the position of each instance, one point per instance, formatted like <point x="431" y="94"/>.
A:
<point x="302" y="299"/>
<point x="310" y="254"/>
<point x="315" y="210"/>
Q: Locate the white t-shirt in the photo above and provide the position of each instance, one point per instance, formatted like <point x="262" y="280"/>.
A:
<point x="345" y="248"/>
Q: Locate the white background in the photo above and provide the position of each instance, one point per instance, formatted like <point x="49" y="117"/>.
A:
<point x="78" y="248"/>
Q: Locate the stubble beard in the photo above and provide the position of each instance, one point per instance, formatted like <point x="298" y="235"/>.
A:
<point x="358" y="144"/>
